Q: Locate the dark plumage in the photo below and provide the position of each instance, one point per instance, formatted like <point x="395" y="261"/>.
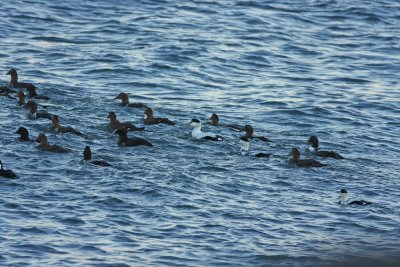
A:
<point x="125" y="101"/>
<point x="116" y="124"/>
<point x="32" y="93"/>
<point x="24" y="134"/>
<point x="135" y="141"/>
<point x="314" y="142"/>
<point x="250" y="134"/>
<point x="150" y="119"/>
<point x="6" y="173"/>
<point x="87" y="156"/>
<point x="14" y="80"/>
<point x="55" y="120"/>
<point x="304" y="162"/>
<point x="44" y="145"/>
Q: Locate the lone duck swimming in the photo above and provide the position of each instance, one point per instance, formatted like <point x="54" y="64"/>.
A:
<point x="14" y="80"/>
<point x="304" y="162"/>
<point x="6" y="173"/>
<point x="125" y="101"/>
<point x="344" y="197"/>
<point x="61" y="129"/>
<point x="87" y="156"/>
<point x="44" y="145"/>
<point x="135" y="141"/>
<point x="150" y="119"/>
<point x="245" y="146"/>
<point x="313" y="141"/>
<point x="198" y="134"/>
<point x="116" y="124"/>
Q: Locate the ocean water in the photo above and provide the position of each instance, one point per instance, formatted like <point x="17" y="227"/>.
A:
<point x="289" y="68"/>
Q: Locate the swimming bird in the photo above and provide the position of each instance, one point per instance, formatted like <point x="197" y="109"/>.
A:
<point x="125" y="101"/>
<point x="245" y="146"/>
<point x="21" y="99"/>
<point x="14" y="79"/>
<point x="304" y="162"/>
<point x="87" y="156"/>
<point x="135" y="141"/>
<point x="116" y="124"/>
<point x="55" y="120"/>
<point x="5" y="91"/>
<point x="150" y="119"/>
<point x="33" y="114"/>
<point x="344" y="196"/>
<point x="44" y="145"/>
<point x="6" y="173"/>
<point x="24" y="134"/>
<point x="198" y="134"/>
<point x="313" y="141"/>
<point x="249" y="134"/>
<point x="32" y="93"/>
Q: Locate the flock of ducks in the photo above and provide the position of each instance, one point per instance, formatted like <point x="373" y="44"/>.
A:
<point x="122" y="128"/>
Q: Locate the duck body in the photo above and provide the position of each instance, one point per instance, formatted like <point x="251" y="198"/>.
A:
<point x="250" y="134"/>
<point x="124" y="140"/>
<point x="6" y="173"/>
<point x="44" y="145"/>
<point x="32" y="93"/>
<point x="304" y="162"/>
<point x="116" y="124"/>
<point x="125" y="101"/>
<point x="55" y="120"/>
<point x="150" y="119"/>
<point x="314" y="142"/>
<point x="24" y="134"/>
<point x="198" y="134"/>
<point x="14" y="80"/>
<point x="245" y="146"/>
<point x="33" y="114"/>
<point x="87" y="156"/>
<point x="344" y="196"/>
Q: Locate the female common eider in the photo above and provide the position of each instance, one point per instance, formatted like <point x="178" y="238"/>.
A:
<point x="124" y="140"/>
<point x="61" y="129"/>
<point x="245" y="146"/>
<point x="125" y="101"/>
<point x="87" y="156"/>
<point x="313" y="141"/>
<point x="198" y="134"/>
<point x="32" y="93"/>
<point x="344" y="197"/>
<point x="304" y="162"/>
<point x="116" y="124"/>
<point x="6" y="173"/>
<point x="44" y="145"/>
<point x="14" y="80"/>
<point x="33" y="114"/>
<point x="150" y="119"/>
<point x="24" y="134"/>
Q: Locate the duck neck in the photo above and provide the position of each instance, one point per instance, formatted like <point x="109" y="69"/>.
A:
<point x="196" y="129"/>
<point x="14" y="79"/>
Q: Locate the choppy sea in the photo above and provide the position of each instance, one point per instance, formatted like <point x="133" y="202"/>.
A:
<point x="291" y="69"/>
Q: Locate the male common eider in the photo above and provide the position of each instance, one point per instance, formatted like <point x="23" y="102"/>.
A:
<point x="245" y="146"/>
<point x="344" y="197"/>
<point x="198" y="134"/>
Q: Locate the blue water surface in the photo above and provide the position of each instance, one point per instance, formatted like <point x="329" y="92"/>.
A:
<point x="289" y="68"/>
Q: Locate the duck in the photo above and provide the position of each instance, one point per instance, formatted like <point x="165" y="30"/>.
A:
<point x="314" y="142"/>
<point x="125" y="101"/>
<point x="87" y="156"/>
<point x="24" y="134"/>
<point x="344" y="197"/>
<point x="21" y="99"/>
<point x="215" y="122"/>
<point x="32" y="93"/>
<point x="245" y="146"/>
<point x="249" y="134"/>
<point x="44" y="145"/>
<point x="5" y="91"/>
<point x="14" y="79"/>
<point x="304" y="162"/>
<point x="33" y="114"/>
<point x="6" y="173"/>
<point x="135" y="141"/>
<point x="150" y="119"/>
<point x="198" y="134"/>
<point x="116" y="124"/>
<point x="55" y="120"/>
